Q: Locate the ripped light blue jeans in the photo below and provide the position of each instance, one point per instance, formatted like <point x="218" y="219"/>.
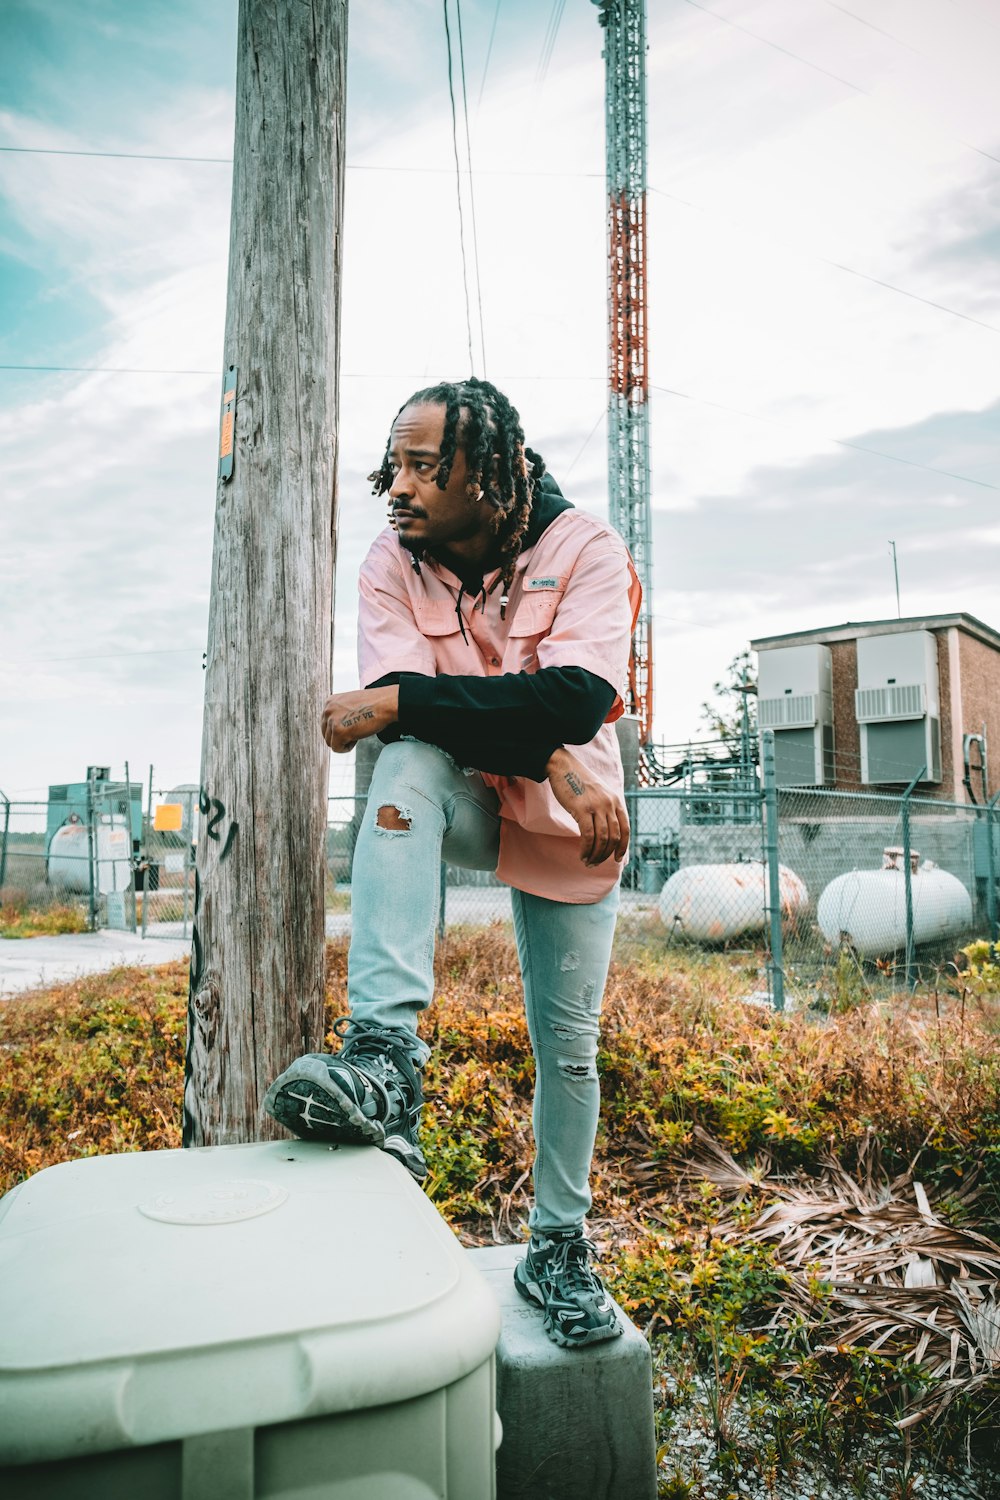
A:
<point x="563" y="949"/>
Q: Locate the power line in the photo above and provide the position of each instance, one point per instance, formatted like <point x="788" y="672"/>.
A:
<point x="916" y="52"/>
<point x="458" y="186"/>
<point x="796" y="57"/>
<point x="105" y="370"/>
<point x="837" y="265"/>
<point x="524" y="378"/>
<point x="586" y="442"/>
<point x="472" y="194"/>
<point x="910" y="463"/>
<point x="549" y="42"/>
<point x="128" y="156"/>
<point x="351" y="166"/>
<point x="855" y="88"/>
<point x="502" y="172"/>
<point x="872" y="27"/>
<point x="222" y="161"/>
<point x="489" y="54"/>
<point x="105" y="655"/>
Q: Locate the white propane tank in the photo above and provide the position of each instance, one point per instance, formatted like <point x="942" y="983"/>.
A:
<point x="866" y="909"/>
<point x="713" y="902"/>
<point x="69" y="858"/>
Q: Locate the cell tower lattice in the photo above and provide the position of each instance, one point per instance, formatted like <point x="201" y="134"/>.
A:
<point x="624" y="23"/>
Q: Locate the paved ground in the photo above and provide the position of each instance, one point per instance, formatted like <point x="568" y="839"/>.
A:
<point x="29" y="963"/>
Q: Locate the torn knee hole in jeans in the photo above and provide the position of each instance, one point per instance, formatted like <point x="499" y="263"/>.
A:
<point x="567" y="1033"/>
<point x="392" y="819"/>
<point x="571" y="1067"/>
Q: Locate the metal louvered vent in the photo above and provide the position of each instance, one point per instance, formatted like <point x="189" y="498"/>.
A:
<point x="905" y="700"/>
<point x="793" y="711"/>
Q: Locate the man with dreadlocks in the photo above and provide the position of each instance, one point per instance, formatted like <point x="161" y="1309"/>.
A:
<point x="495" y="622"/>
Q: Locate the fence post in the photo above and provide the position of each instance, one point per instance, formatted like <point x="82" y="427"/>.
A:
<point x="991" y="873"/>
<point x="904" y="814"/>
<point x="146" y="859"/>
<point x="185" y="873"/>
<point x="443" y="900"/>
<point x="776" y="966"/>
<point x="131" y="852"/>
<point x="92" y="848"/>
<point x="3" y="845"/>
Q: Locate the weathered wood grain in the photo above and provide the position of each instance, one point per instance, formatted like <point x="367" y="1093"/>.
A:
<point x="256" y="998"/>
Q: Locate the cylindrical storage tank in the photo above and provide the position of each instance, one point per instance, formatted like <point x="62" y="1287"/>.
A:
<point x="714" y="902"/>
<point x="866" y="910"/>
<point x="69" y="858"/>
<point x="382" y="1384"/>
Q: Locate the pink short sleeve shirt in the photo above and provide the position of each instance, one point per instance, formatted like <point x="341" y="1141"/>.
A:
<point x="573" y="602"/>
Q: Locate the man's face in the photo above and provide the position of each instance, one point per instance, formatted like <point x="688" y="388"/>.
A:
<point x="423" y="515"/>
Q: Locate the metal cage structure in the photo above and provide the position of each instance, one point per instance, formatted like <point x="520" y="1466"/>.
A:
<point x="624" y="26"/>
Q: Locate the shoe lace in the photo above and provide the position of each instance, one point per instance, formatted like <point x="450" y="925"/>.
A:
<point x="570" y="1262"/>
<point x="362" y="1040"/>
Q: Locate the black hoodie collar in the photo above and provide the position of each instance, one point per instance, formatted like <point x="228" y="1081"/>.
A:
<point x="549" y="502"/>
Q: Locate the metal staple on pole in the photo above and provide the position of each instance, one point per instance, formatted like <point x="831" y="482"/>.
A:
<point x="776" y="968"/>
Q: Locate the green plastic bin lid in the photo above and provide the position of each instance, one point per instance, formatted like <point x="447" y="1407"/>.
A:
<point x="152" y="1296"/>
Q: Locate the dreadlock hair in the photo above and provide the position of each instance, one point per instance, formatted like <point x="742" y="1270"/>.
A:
<point x="480" y="420"/>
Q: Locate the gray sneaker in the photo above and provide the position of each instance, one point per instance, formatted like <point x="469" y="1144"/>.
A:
<point x="368" y="1093"/>
<point x="556" y="1274"/>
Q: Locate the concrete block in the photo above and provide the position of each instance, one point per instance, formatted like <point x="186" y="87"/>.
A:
<point x="577" y="1423"/>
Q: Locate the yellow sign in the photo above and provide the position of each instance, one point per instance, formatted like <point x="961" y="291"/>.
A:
<point x="169" y="817"/>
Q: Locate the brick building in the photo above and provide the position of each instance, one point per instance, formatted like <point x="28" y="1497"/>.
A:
<point x="859" y="707"/>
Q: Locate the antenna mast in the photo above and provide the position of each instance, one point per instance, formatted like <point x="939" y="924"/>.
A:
<point x="624" y="24"/>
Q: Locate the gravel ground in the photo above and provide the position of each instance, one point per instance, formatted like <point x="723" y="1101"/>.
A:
<point x="872" y="1472"/>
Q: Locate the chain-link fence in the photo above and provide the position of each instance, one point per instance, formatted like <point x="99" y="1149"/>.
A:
<point x="814" y="883"/>
<point x="72" y="854"/>
<point x="165" y="870"/>
<point x="896" y="885"/>
<point x="822" y="888"/>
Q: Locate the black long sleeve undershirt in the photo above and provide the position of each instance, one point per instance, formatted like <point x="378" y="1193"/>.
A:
<point x="507" y="725"/>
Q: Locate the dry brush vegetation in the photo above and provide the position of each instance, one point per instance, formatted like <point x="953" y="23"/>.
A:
<point x="802" y="1211"/>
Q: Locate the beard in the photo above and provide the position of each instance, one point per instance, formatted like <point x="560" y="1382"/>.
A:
<point x="412" y="544"/>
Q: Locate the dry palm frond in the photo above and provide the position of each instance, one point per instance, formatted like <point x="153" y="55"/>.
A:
<point x="708" y="1160"/>
<point x="900" y="1279"/>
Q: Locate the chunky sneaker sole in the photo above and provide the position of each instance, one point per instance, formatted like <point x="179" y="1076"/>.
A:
<point x="309" y="1102"/>
<point x="572" y="1335"/>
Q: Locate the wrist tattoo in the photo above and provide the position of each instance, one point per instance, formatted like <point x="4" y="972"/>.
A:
<point x="352" y="719"/>
<point x="575" y="784"/>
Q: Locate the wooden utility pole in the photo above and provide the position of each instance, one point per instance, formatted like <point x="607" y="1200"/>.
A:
<point x="257" y="957"/>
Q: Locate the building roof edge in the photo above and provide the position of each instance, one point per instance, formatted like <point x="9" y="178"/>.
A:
<point x="851" y="629"/>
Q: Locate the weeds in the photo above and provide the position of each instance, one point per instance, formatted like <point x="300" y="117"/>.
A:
<point x="97" y="1066"/>
<point x="19" y="918"/>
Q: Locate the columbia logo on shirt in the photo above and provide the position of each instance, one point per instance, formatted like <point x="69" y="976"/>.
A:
<point x="543" y="583"/>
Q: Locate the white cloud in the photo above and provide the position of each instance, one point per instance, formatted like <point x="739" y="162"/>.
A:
<point x="763" y="521"/>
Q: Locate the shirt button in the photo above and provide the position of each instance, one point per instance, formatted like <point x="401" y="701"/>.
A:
<point x="494" y="661"/>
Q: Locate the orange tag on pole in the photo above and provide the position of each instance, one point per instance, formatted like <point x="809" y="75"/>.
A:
<point x="227" y="424"/>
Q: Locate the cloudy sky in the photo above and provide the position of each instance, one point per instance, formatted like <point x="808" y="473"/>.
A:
<point x="824" y="287"/>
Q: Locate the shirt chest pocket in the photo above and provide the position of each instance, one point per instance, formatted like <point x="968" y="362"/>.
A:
<point x="532" y="622"/>
<point x="435" y="617"/>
